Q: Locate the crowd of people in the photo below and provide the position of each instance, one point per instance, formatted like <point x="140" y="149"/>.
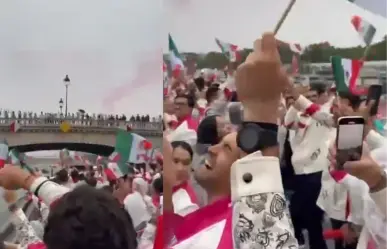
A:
<point x="123" y="210"/>
<point x="78" y="118"/>
<point x="249" y="162"/>
<point x="80" y="115"/>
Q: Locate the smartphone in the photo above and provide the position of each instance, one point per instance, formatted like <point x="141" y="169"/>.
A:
<point x="349" y="139"/>
<point x="374" y="93"/>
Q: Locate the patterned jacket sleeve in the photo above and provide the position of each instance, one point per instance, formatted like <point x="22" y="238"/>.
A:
<point x="25" y="234"/>
<point x="314" y="110"/>
<point x="260" y="215"/>
<point x="43" y="208"/>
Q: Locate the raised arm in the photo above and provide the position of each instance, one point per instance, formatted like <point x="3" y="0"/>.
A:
<point x="291" y="118"/>
<point x="314" y="110"/>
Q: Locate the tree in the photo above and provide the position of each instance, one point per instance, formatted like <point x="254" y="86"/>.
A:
<point x="314" y="53"/>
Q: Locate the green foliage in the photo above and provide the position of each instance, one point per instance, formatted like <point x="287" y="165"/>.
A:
<point x="315" y="53"/>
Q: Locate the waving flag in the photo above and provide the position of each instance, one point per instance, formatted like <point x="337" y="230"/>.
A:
<point x="175" y="59"/>
<point x="18" y="158"/>
<point x="113" y="171"/>
<point x="346" y="73"/>
<point x="229" y="50"/>
<point x="364" y="29"/>
<point x="3" y="152"/>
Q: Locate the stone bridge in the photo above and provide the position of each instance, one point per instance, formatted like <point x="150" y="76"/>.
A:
<point x="92" y="136"/>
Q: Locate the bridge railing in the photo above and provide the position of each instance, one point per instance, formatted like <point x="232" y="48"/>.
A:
<point x="51" y="121"/>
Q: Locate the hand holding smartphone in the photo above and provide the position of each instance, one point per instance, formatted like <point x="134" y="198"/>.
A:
<point x="349" y="140"/>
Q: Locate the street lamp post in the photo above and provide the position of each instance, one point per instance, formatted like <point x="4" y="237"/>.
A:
<point x="66" y="82"/>
<point x="61" y="106"/>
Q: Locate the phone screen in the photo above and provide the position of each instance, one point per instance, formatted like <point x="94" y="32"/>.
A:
<point x="349" y="143"/>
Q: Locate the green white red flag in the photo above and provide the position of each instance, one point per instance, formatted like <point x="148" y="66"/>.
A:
<point x="365" y="29"/>
<point x="346" y="73"/>
<point x="229" y="50"/>
<point x="3" y="152"/>
<point x="113" y="170"/>
<point x="175" y="59"/>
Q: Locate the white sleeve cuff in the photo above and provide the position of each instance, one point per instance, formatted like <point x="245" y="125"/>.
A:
<point x="255" y="174"/>
<point x="49" y="191"/>
<point x="37" y="183"/>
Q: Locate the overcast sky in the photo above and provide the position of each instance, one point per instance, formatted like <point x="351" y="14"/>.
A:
<point x="110" y="49"/>
<point x="194" y="23"/>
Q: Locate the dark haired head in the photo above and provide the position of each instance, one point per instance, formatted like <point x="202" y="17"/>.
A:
<point x="190" y="99"/>
<point x="200" y="83"/>
<point x="184" y="146"/>
<point x="158" y="185"/>
<point x="108" y="189"/>
<point x="319" y="87"/>
<point x="91" y="181"/>
<point x="211" y="93"/>
<point x="62" y="176"/>
<point x="82" y="177"/>
<point x="74" y="175"/>
<point x="89" y="218"/>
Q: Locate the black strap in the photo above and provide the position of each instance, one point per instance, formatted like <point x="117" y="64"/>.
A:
<point x="38" y="188"/>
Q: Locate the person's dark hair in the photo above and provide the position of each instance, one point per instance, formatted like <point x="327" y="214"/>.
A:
<point x="74" y="175"/>
<point x="184" y="146"/>
<point x="82" y="177"/>
<point x="89" y="218"/>
<point x="91" y="181"/>
<point x="2" y="245"/>
<point x="200" y="83"/>
<point x="207" y="132"/>
<point x="211" y="92"/>
<point x="62" y="176"/>
<point x="354" y="100"/>
<point x="158" y="185"/>
<point x="189" y="97"/>
<point x="319" y="87"/>
<point x="108" y="188"/>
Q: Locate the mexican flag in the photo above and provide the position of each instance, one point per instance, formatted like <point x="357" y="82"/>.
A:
<point x="371" y="6"/>
<point x="175" y="59"/>
<point x="17" y="158"/>
<point x="3" y="152"/>
<point x="229" y="50"/>
<point x="130" y="147"/>
<point x="365" y="29"/>
<point x="113" y="171"/>
<point x="346" y="73"/>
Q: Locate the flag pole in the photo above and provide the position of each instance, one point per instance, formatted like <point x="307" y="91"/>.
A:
<point x="284" y="15"/>
<point x="366" y="51"/>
